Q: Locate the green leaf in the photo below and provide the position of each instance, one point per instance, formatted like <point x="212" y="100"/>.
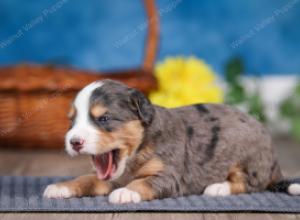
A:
<point x="235" y="95"/>
<point x="297" y="89"/>
<point x="290" y="107"/>
<point x="233" y="70"/>
<point x="296" y="128"/>
<point x="256" y="107"/>
<point x="286" y="108"/>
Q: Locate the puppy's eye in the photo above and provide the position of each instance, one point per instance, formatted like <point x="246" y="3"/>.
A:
<point x="102" y="119"/>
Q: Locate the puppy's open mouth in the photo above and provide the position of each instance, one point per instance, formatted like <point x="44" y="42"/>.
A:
<point x="106" y="164"/>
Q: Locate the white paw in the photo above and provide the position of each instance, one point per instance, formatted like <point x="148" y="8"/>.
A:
<point x="56" y="191"/>
<point x="218" y="189"/>
<point x="124" y="195"/>
<point x="294" y="189"/>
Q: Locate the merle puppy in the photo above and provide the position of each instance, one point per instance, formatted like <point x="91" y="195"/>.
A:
<point x="142" y="152"/>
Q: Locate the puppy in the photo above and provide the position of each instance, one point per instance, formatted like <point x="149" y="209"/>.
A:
<point x="143" y="152"/>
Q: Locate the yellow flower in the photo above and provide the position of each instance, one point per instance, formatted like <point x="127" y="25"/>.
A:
<point x="184" y="81"/>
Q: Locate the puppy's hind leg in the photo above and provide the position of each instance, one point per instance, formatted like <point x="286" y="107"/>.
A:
<point x="235" y="184"/>
<point x="254" y="177"/>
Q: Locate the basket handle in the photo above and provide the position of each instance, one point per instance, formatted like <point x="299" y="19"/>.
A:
<point x="151" y="46"/>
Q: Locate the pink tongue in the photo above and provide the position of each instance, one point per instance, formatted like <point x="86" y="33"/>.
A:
<point x="104" y="165"/>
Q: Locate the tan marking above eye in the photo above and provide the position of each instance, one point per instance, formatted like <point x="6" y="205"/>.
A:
<point x="72" y="112"/>
<point x="98" y="110"/>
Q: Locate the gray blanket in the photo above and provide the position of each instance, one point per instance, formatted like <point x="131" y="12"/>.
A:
<point x="24" y="194"/>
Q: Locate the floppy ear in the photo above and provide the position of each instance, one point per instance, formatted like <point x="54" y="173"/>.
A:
<point x="142" y="106"/>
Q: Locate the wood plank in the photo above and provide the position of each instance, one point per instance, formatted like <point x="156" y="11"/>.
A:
<point x="284" y="216"/>
<point x="249" y="216"/>
<point x="151" y="216"/>
<point x="108" y="216"/>
<point x="145" y="216"/>
<point x="55" y="216"/>
<point x="42" y="163"/>
<point x="216" y="216"/>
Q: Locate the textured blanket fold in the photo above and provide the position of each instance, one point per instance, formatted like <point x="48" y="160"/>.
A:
<point x="24" y="194"/>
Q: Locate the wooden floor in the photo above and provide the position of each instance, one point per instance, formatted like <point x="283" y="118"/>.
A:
<point x="144" y="216"/>
<point x="42" y="163"/>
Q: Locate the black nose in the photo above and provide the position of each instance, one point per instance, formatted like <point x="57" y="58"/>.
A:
<point x="77" y="143"/>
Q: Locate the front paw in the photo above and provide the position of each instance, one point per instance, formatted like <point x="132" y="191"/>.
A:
<point x="124" y="195"/>
<point x="59" y="191"/>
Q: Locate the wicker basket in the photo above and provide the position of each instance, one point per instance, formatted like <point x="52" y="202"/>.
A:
<point x="35" y="99"/>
